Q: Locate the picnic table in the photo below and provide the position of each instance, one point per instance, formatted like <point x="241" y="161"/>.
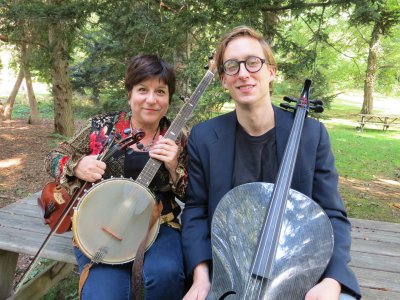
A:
<point x="384" y="120"/>
<point x="375" y="253"/>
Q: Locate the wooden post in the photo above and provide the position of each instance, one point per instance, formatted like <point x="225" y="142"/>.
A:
<point x="8" y="264"/>
<point x="43" y="282"/>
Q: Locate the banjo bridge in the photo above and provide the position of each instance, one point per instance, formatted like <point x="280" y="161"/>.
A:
<point x="115" y="236"/>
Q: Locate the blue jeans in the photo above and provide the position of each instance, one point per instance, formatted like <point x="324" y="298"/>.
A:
<point x="163" y="275"/>
<point x="346" y="297"/>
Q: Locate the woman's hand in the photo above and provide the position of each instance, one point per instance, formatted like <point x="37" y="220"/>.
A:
<point x="89" y="168"/>
<point x="327" y="289"/>
<point x="167" y="151"/>
<point x="201" y="283"/>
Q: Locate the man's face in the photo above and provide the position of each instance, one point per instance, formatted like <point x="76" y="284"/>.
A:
<point x="247" y="88"/>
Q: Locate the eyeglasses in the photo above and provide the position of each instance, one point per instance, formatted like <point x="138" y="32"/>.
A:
<point x="252" y="64"/>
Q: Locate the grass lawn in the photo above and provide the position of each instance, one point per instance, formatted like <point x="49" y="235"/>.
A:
<point x="368" y="162"/>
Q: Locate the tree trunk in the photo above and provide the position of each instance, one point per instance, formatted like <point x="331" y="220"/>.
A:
<point x="62" y="93"/>
<point x="1" y="111"/>
<point x="95" y="96"/>
<point x="34" y="117"/>
<point x="270" y="21"/>
<point x="11" y="99"/>
<point x="370" y="75"/>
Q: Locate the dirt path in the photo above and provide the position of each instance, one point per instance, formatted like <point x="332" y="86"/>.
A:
<point x="23" y="148"/>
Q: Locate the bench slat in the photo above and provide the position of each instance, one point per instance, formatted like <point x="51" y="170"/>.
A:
<point x="378" y="280"/>
<point x="375" y="262"/>
<point x="375" y="225"/>
<point x="368" y="246"/>
<point x="59" y="247"/>
<point x="373" y="294"/>
<point x="375" y="235"/>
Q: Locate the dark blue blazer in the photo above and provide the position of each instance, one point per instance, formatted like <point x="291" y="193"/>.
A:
<point x="211" y="157"/>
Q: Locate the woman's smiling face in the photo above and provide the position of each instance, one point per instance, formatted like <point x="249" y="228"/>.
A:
<point x="149" y="102"/>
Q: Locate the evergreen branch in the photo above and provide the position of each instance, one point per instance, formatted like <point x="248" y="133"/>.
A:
<point x="302" y="5"/>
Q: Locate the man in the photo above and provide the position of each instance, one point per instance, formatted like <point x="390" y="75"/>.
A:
<point x="245" y="146"/>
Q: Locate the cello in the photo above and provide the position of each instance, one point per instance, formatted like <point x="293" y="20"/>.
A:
<point x="269" y="241"/>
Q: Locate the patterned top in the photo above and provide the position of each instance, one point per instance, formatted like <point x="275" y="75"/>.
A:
<point x="61" y="161"/>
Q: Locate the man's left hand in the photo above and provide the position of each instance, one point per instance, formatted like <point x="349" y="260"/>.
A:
<point x="327" y="289"/>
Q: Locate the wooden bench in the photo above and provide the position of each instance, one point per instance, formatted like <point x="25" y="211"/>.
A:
<point x="375" y="253"/>
<point x="22" y="231"/>
<point x="385" y="120"/>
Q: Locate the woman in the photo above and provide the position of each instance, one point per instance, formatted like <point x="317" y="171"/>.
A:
<point x="150" y="83"/>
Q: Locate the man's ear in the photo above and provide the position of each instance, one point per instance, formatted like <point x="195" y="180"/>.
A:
<point x="272" y="73"/>
<point x="223" y="81"/>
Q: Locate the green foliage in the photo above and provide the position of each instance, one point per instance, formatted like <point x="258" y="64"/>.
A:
<point x="384" y="13"/>
<point x="388" y="80"/>
<point x="327" y="42"/>
<point x="67" y="289"/>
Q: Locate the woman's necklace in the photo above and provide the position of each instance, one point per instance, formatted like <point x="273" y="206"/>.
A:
<point x="147" y="147"/>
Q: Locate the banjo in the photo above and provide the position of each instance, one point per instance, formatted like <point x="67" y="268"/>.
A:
<point x="114" y="216"/>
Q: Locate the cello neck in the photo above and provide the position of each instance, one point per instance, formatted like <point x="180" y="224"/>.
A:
<point x="273" y="221"/>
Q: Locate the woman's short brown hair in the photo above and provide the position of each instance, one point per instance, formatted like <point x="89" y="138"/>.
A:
<point x="143" y="67"/>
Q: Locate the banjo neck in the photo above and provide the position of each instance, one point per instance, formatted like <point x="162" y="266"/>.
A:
<point x="150" y="169"/>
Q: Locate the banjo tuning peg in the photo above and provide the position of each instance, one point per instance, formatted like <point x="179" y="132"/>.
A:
<point x="184" y="99"/>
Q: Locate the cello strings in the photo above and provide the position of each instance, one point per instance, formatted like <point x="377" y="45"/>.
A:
<point x="277" y="225"/>
<point x="252" y="281"/>
<point x="292" y="151"/>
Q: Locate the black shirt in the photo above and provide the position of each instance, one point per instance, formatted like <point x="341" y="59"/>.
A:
<point x="134" y="163"/>
<point x="255" y="157"/>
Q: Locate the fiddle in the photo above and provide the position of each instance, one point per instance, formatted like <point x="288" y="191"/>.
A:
<point x="55" y="202"/>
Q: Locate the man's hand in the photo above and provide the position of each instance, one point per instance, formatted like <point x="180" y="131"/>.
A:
<point x="327" y="289"/>
<point x="201" y="283"/>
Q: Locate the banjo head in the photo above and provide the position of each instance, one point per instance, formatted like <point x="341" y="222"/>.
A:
<point x="112" y="218"/>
